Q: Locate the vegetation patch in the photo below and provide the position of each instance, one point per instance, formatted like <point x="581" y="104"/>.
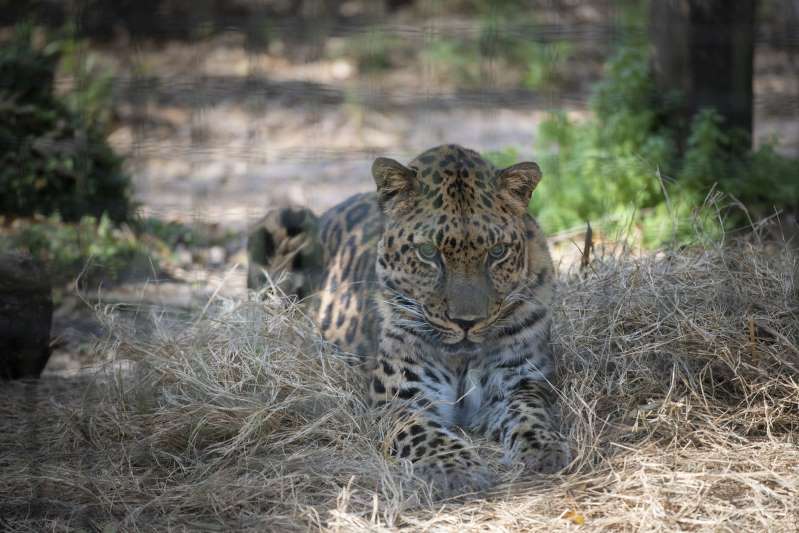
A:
<point x="678" y="385"/>
<point x="622" y="168"/>
<point x="93" y="249"/>
<point x="54" y="157"/>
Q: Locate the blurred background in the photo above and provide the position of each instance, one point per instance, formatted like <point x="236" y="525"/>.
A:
<point x="140" y="139"/>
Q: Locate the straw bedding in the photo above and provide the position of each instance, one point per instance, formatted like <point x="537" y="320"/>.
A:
<point x="680" y="392"/>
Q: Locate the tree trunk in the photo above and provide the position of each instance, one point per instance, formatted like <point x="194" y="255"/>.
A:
<point x="26" y="312"/>
<point x="703" y="57"/>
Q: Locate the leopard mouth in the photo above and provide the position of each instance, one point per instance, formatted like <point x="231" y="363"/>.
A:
<point x="453" y="336"/>
<point x="447" y="334"/>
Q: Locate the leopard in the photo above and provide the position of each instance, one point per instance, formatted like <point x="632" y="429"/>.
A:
<point x="440" y="284"/>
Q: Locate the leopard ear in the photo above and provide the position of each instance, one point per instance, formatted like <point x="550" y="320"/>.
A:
<point x="519" y="181"/>
<point x="395" y="182"/>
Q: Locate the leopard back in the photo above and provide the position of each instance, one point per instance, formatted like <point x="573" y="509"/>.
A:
<point x="346" y="311"/>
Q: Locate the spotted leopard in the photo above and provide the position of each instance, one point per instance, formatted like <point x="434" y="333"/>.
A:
<point x="441" y="282"/>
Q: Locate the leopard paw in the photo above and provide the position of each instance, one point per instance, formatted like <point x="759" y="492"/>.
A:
<point x="545" y="452"/>
<point x="448" y="479"/>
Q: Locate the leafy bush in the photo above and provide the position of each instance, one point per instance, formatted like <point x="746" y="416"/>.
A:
<point x="621" y="167"/>
<point x="604" y="168"/>
<point x="112" y="251"/>
<point x="91" y="97"/>
<point x="763" y="180"/>
<point x="53" y="159"/>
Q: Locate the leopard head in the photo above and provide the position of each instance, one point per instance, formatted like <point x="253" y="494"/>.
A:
<point x="454" y="249"/>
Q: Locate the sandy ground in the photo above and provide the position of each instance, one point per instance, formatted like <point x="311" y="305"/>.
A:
<point x="217" y="133"/>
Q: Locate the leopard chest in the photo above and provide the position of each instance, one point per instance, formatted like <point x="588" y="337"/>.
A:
<point x="469" y="396"/>
<point x="464" y="394"/>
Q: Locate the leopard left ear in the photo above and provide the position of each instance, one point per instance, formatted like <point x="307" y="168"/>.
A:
<point x="395" y="183"/>
<point x="519" y="181"/>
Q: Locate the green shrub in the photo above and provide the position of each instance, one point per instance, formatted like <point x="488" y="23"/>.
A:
<point x="91" y="96"/>
<point x="53" y="159"/>
<point x="545" y="64"/>
<point x="620" y="168"/>
<point x="112" y="251"/>
<point x="762" y="180"/>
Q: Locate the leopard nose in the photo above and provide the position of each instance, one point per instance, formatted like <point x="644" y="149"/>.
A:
<point x="465" y="325"/>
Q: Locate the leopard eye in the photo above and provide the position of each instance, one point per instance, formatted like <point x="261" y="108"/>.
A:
<point x="427" y="251"/>
<point x="498" y="251"/>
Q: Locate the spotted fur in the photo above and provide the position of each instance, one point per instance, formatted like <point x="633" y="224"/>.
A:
<point x="442" y="282"/>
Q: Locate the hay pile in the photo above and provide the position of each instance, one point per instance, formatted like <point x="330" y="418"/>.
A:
<point x="681" y="392"/>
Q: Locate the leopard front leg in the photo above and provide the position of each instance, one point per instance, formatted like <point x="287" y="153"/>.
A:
<point x="524" y="421"/>
<point x="439" y="455"/>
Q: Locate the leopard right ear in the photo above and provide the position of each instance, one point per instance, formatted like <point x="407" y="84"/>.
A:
<point x="396" y="183"/>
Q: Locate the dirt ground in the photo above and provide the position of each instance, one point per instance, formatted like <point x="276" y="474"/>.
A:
<point x="216" y="132"/>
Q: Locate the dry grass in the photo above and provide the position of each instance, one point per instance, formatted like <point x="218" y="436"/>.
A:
<point x="681" y="394"/>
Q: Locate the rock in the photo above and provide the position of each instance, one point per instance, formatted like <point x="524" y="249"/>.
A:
<point x="26" y="312"/>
